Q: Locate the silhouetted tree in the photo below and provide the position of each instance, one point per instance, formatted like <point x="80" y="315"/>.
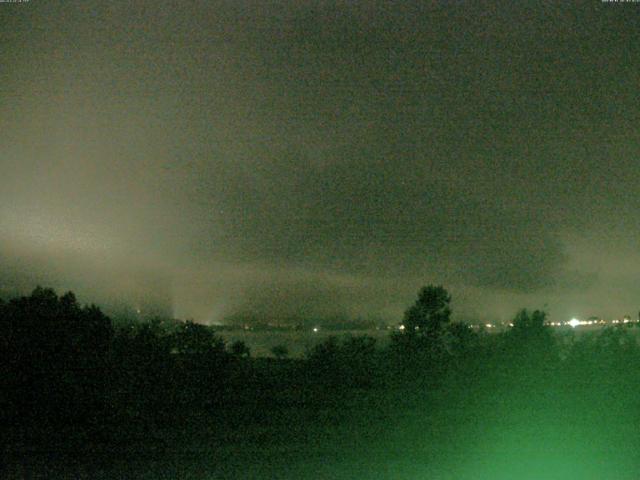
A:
<point x="240" y="349"/>
<point x="280" y="351"/>
<point x="526" y="323"/>
<point x="325" y="351"/>
<point x="347" y="363"/>
<point x="55" y="358"/>
<point x="430" y="313"/>
<point x="98" y="329"/>
<point x="195" y="338"/>
<point x="531" y="344"/>
<point x="419" y="351"/>
<point x="359" y="357"/>
<point x="459" y="338"/>
<point x="358" y="347"/>
<point x="323" y="359"/>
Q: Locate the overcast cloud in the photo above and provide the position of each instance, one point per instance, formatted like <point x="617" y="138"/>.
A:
<point x="322" y="158"/>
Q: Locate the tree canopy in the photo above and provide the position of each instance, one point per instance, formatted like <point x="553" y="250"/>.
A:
<point x="430" y="313"/>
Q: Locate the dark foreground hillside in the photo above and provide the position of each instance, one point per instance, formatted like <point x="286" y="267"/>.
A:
<point x="81" y="399"/>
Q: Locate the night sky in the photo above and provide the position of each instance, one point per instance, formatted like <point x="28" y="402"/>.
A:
<point x="323" y="158"/>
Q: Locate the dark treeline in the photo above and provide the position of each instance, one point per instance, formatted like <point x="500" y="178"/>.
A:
<point x="82" y="395"/>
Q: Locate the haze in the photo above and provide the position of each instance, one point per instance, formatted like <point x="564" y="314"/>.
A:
<point x="301" y="158"/>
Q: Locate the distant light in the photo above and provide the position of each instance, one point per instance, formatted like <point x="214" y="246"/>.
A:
<point x="488" y="325"/>
<point x="574" y="322"/>
<point x="315" y="329"/>
<point x="401" y="327"/>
